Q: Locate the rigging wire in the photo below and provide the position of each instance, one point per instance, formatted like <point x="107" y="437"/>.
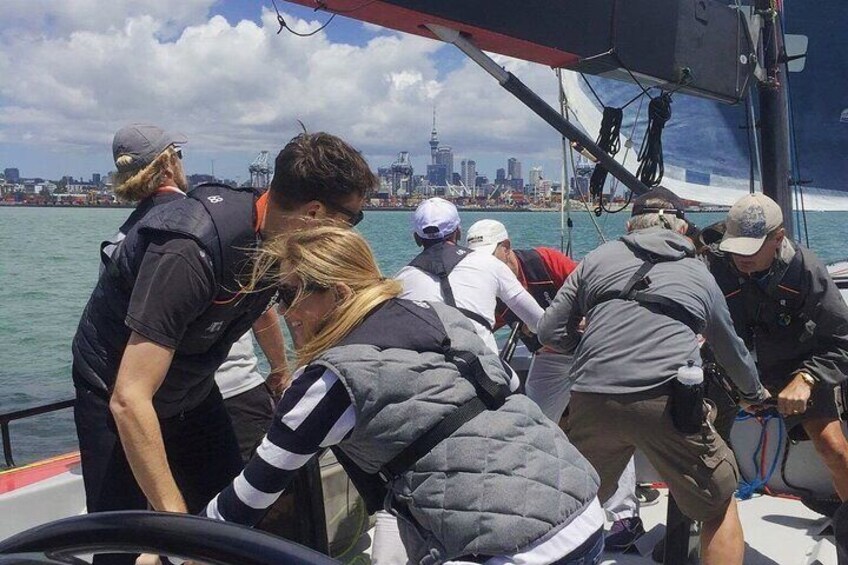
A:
<point x="753" y="128"/>
<point x="565" y="186"/>
<point x="284" y="25"/>
<point x="583" y="198"/>
<point x="800" y="211"/>
<point x="749" y="132"/>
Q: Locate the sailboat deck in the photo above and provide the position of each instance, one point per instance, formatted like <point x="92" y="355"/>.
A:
<point x="777" y="531"/>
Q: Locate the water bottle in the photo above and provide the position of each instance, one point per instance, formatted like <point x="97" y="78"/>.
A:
<point x="687" y="403"/>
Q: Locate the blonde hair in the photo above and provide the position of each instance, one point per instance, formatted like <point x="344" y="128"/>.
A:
<point x="324" y="257"/>
<point x="132" y="186"/>
<point x="645" y="221"/>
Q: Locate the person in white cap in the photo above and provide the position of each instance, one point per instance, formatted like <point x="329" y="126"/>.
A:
<point x="789" y="311"/>
<point x="471" y="282"/>
<point x="542" y="271"/>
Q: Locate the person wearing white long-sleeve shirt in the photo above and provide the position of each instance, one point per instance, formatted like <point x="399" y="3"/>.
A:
<point x="475" y="280"/>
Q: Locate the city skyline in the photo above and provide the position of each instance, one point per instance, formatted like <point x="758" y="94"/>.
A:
<point x="218" y="72"/>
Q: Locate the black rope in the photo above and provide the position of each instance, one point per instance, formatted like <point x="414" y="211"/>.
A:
<point x="323" y="6"/>
<point x="609" y="141"/>
<point x="284" y="25"/>
<point x="651" y="168"/>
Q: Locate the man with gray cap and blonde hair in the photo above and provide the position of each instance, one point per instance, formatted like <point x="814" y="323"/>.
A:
<point x="790" y="313"/>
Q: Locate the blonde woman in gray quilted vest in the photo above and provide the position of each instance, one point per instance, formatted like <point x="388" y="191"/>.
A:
<point x="419" y="412"/>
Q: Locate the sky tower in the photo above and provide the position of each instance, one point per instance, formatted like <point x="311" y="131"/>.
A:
<point x="434" y="140"/>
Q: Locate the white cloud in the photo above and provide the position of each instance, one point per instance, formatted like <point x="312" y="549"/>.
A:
<point x="82" y="69"/>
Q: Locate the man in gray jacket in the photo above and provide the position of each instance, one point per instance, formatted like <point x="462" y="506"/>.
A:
<point x="645" y="298"/>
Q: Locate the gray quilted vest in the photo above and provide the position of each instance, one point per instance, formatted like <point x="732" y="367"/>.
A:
<point x="502" y="481"/>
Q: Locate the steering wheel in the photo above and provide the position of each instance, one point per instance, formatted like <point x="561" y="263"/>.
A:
<point x="178" y="535"/>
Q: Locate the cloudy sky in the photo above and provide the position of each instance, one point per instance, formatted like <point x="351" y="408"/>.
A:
<point x="72" y="72"/>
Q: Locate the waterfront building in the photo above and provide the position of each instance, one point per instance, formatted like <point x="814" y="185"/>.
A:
<point x="437" y="175"/>
<point x="535" y="176"/>
<point x="513" y="168"/>
<point x="444" y="156"/>
<point x="469" y="174"/>
<point x="500" y="177"/>
<point x="12" y="174"/>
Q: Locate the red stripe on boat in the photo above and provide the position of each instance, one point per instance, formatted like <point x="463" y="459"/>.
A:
<point x="19" y="477"/>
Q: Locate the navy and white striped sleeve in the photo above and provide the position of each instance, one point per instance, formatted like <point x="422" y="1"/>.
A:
<point x="315" y="412"/>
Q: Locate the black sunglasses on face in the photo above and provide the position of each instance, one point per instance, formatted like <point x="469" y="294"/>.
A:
<point x="287" y="294"/>
<point x="353" y="218"/>
<point x="179" y="154"/>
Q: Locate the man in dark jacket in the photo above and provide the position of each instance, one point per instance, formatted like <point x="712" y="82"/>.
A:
<point x="791" y="315"/>
<point x="645" y="298"/>
<point x="168" y="306"/>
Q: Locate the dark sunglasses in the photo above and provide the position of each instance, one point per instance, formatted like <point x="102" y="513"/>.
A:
<point x="287" y="294"/>
<point x="353" y="218"/>
<point x="179" y="154"/>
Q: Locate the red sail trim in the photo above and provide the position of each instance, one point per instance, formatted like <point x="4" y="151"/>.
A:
<point x="403" y="19"/>
<point x="19" y="477"/>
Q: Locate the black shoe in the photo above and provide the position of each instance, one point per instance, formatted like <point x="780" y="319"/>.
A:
<point x="824" y="506"/>
<point x="646" y="495"/>
<point x="623" y="534"/>
<point x="658" y="553"/>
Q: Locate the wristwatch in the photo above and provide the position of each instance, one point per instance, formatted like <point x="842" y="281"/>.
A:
<point x="807" y="378"/>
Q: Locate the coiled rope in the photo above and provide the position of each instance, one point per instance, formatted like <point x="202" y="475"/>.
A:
<point x="651" y="168"/>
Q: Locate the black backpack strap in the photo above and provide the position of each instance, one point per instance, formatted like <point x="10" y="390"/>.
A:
<point x="233" y="215"/>
<point x="636" y="290"/>
<point x="439" y="261"/>
<point x="490" y="396"/>
<point x="431" y="438"/>
<point x="476" y="317"/>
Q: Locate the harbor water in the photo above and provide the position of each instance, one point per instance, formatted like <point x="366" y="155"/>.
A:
<point x="49" y="265"/>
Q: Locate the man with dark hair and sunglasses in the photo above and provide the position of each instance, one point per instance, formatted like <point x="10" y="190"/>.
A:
<point x="169" y="305"/>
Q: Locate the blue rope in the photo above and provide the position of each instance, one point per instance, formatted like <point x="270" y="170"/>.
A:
<point x="747" y="489"/>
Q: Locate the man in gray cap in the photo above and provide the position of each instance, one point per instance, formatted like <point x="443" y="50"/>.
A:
<point x="790" y="313"/>
<point x="169" y="304"/>
<point x="646" y="298"/>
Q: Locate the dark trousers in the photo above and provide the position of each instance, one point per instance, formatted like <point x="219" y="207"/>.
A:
<point x="251" y="413"/>
<point x="200" y="445"/>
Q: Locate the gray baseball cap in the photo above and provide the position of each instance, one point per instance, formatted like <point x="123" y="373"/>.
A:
<point x="749" y="222"/>
<point x="142" y="142"/>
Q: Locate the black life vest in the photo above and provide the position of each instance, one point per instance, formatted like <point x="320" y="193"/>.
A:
<point x="439" y="260"/>
<point x="777" y="312"/>
<point x="540" y="285"/>
<point x="221" y="219"/>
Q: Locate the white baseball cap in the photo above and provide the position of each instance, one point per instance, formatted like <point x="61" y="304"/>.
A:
<point x="435" y="218"/>
<point x="485" y="236"/>
<point x="749" y="222"/>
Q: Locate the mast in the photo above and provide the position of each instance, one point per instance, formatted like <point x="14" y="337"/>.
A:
<point x="774" y="113"/>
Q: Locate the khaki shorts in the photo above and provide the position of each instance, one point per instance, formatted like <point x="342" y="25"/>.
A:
<point x="699" y="469"/>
